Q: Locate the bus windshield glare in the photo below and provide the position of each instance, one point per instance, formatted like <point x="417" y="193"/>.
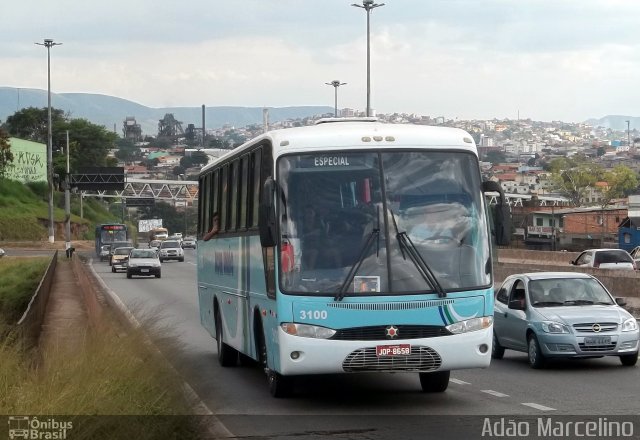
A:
<point x="390" y="222"/>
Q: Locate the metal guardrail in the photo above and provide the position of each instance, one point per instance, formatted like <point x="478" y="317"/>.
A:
<point x="30" y="324"/>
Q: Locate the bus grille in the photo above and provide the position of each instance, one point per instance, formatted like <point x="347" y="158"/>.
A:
<point x="365" y="359"/>
<point x="386" y="306"/>
<point x="379" y="332"/>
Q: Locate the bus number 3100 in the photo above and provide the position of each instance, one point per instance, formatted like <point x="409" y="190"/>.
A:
<point x="313" y="314"/>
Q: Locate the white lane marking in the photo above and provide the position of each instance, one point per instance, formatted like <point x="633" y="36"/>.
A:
<point x="540" y="407"/>
<point x="495" y="393"/>
<point x="459" y="382"/>
<point x="193" y="264"/>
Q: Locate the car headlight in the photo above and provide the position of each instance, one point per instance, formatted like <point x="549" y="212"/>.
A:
<point x="630" y="325"/>
<point x="554" y="327"/>
<point x="307" y="331"/>
<point x="470" y="325"/>
<point x="133" y="265"/>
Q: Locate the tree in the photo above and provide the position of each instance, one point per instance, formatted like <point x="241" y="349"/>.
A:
<point x="31" y="123"/>
<point x="89" y="143"/>
<point x="127" y="151"/>
<point x="620" y="181"/>
<point x="178" y="170"/>
<point x="6" y="156"/>
<point x="494" y="156"/>
<point x="573" y="176"/>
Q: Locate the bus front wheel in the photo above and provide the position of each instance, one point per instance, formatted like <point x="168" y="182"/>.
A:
<point x="279" y="385"/>
<point x="227" y="356"/>
<point x="436" y="382"/>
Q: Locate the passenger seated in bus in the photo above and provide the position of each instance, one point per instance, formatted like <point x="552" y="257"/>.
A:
<point x="215" y="228"/>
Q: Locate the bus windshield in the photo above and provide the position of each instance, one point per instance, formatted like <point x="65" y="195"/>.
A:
<point x="390" y="222"/>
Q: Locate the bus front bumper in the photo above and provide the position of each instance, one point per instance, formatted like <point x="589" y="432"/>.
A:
<point x="299" y="356"/>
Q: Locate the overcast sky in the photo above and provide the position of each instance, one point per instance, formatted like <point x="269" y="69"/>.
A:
<point x="470" y="59"/>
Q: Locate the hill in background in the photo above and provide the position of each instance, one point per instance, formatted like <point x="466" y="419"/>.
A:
<point x="111" y="111"/>
<point x="615" y="122"/>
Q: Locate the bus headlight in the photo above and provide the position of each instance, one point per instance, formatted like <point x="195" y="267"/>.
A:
<point x="307" y="331"/>
<point x="470" y="325"/>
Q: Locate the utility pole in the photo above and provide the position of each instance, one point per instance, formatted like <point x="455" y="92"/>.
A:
<point x="48" y="43"/>
<point x="368" y="5"/>
<point x="335" y="83"/>
<point x="628" y="134"/>
<point x="67" y="203"/>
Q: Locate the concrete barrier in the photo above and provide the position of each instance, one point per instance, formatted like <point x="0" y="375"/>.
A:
<point x="30" y="324"/>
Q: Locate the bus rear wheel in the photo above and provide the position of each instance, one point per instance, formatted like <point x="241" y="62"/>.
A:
<point x="227" y="356"/>
<point x="436" y="382"/>
<point x="279" y="385"/>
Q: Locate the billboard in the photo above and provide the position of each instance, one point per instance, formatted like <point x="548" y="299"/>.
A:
<point x="29" y="161"/>
<point x="147" y="225"/>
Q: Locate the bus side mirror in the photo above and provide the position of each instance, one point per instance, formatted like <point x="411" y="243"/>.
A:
<point x="501" y="214"/>
<point x="267" y="215"/>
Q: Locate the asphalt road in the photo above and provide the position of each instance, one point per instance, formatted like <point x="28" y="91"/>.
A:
<point x="365" y="405"/>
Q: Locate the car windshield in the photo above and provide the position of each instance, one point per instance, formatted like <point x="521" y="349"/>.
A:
<point x="613" y="256"/>
<point x="567" y="292"/>
<point x="143" y="253"/>
<point x="381" y="222"/>
<point x="170" y="244"/>
<point x="123" y="251"/>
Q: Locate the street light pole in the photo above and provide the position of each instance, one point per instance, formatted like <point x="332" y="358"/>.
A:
<point x="67" y="203"/>
<point x="335" y="83"/>
<point x="368" y="5"/>
<point x="628" y="134"/>
<point x="48" y="43"/>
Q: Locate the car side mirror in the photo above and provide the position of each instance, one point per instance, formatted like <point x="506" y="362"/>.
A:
<point x="516" y="305"/>
<point x="621" y="301"/>
<point x="573" y="262"/>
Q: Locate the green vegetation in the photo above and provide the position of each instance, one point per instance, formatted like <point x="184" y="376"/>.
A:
<point x="24" y="211"/>
<point x="112" y="374"/>
<point x="20" y="278"/>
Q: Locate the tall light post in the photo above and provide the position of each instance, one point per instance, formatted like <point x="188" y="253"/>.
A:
<point x="368" y="5"/>
<point x="48" y="43"/>
<point x="335" y="83"/>
<point x="628" y="134"/>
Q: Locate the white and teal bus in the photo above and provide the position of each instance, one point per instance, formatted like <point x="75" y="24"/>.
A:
<point x="350" y="246"/>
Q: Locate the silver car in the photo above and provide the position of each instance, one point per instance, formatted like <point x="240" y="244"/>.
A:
<point x="562" y="315"/>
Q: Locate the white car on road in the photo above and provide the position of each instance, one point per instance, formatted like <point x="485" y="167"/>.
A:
<point x="171" y="250"/>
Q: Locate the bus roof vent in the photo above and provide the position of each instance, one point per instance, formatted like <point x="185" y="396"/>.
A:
<point x="363" y="119"/>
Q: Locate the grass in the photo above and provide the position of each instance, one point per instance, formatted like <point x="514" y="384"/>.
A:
<point x="24" y="211"/>
<point x="113" y="374"/>
<point x="19" y="279"/>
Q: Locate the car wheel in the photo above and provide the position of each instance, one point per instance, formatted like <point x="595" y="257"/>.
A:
<point x="497" y="351"/>
<point x="279" y="385"/>
<point x="181" y="259"/>
<point x="113" y="269"/>
<point x="129" y="275"/>
<point x="536" y="358"/>
<point x="227" y="356"/>
<point x="629" y="360"/>
<point x="158" y="275"/>
<point x="436" y="382"/>
<point x="161" y="260"/>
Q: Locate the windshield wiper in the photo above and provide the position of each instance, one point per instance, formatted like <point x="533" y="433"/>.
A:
<point x="363" y="253"/>
<point x="418" y="261"/>
<point x="547" y="303"/>
<point x="578" y="302"/>
<point x="354" y="269"/>
<point x="415" y="256"/>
